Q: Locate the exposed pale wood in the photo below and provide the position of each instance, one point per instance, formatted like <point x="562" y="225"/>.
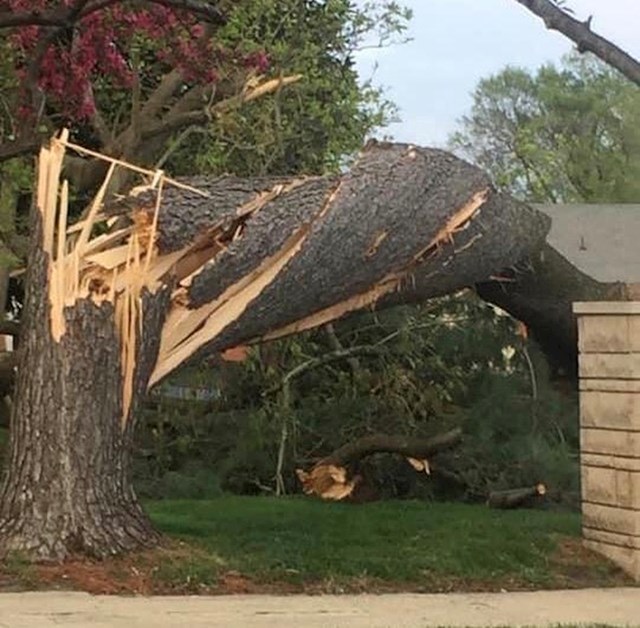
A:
<point x="79" y="226"/>
<point x="105" y="240"/>
<point x="111" y="258"/>
<point x="54" y="168"/>
<point x="184" y="340"/>
<point x="270" y="86"/>
<point x="392" y="281"/>
<point x="458" y="221"/>
<point x="358" y="302"/>
<point x="89" y="223"/>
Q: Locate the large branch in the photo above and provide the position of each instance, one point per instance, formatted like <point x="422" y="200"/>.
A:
<point x="330" y="478"/>
<point x="65" y="16"/>
<point x="541" y="293"/>
<point x="587" y="41"/>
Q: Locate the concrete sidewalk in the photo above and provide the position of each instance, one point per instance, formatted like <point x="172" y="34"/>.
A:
<point x="620" y="607"/>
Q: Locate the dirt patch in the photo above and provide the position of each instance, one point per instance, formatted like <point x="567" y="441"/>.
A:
<point x="576" y="567"/>
<point x="178" y="568"/>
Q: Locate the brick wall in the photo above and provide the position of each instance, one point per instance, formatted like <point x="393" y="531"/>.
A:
<point x="609" y="344"/>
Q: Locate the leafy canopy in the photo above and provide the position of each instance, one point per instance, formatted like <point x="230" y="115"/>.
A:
<point x="563" y="134"/>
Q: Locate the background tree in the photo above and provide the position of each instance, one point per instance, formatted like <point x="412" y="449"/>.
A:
<point x="559" y="135"/>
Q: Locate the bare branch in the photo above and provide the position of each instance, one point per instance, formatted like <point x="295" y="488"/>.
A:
<point x="587" y="41"/>
<point x="27" y="146"/>
<point x="63" y="16"/>
<point x="174" y="122"/>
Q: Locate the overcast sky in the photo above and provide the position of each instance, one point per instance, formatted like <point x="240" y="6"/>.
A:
<point x="457" y="42"/>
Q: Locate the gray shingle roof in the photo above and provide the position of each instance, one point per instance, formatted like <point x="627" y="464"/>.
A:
<point x="601" y="240"/>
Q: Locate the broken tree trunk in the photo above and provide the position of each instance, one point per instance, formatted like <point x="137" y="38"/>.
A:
<point x="330" y="478"/>
<point x="68" y="487"/>
<point x="176" y="268"/>
<point x="540" y="292"/>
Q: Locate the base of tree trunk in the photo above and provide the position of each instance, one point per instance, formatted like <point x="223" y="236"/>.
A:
<point x="92" y="530"/>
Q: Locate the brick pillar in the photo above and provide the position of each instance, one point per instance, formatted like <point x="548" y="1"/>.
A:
<point x="609" y="344"/>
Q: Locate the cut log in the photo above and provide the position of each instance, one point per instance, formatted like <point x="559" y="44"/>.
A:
<point x="329" y="478"/>
<point x="517" y="497"/>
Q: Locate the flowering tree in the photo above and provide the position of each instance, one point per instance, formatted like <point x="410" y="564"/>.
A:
<point x="125" y="74"/>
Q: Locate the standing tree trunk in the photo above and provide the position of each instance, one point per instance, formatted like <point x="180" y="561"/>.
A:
<point x="68" y="487"/>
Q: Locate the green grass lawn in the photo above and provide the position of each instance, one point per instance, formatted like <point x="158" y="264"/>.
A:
<point x="415" y="545"/>
<point x="256" y="544"/>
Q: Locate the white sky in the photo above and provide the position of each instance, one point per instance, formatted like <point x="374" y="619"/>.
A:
<point x="457" y="42"/>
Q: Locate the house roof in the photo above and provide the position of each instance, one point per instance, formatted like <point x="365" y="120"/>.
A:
<point x="603" y="241"/>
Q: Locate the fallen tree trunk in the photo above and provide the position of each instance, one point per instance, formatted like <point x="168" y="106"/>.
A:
<point x="178" y="268"/>
<point x="330" y="478"/>
<point x="516" y="497"/>
<point x="336" y="245"/>
<point x="540" y="291"/>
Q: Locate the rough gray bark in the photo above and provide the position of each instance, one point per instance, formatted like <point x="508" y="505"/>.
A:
<point x="540" y="292"/>
<point x="400" y="214"/>
<point x="379" y="219"/>
<point x="68" y="488"/>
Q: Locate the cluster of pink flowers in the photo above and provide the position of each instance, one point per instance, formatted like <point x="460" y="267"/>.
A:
<point x="99" y="47"/>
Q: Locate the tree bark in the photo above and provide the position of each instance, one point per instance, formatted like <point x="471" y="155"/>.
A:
<point x="68" y="484"/>
<point x="540" y="292"/>
<point x="108" y="313"/>
<point x="555" y="18"/>
<point x="403" y="215"/>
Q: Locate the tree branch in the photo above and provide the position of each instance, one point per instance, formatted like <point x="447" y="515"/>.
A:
<point x="66" y="16"/>
<point x="10" y="150"/>
<point x="179" y="120"/>
<point x="587" y="41"/>
<point x="328" y="479"/>
<point x="407" y="446"/>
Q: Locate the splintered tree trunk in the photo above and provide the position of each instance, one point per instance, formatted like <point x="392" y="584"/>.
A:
<point x="68" y="487"/>
<point x="178" y="269"/>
